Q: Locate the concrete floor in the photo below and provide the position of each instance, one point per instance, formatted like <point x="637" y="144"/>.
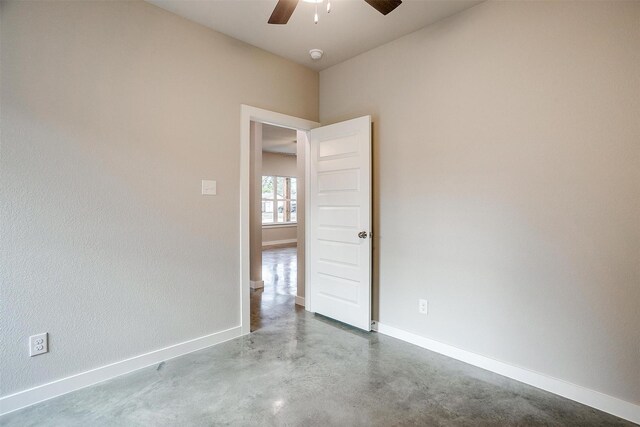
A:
<point x="299" y="369"/>
<point x="279" y="272"/>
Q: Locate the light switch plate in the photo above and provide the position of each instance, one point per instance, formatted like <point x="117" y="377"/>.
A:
<point x="209" y="188"/>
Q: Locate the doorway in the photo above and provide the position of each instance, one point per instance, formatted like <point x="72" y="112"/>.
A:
<point x="280" y="210"/>
<point x="275" y="175"/>
<point x="332" y="210"/>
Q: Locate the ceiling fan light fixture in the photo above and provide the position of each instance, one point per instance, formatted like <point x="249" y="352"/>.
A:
<point x="284" y="8"/>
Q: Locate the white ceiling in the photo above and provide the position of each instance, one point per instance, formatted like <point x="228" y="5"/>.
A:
<point x="278" y="140"/>
<point x="351" y="28"/>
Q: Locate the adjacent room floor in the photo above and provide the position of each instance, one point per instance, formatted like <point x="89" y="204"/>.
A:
<point x="278" y="297"/>
<point x="299" y="369"/>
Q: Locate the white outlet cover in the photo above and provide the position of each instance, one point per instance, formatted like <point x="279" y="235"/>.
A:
<point x="423" y="306"/>
<point x="38" y="344"/>
<point x="209" y="187"/>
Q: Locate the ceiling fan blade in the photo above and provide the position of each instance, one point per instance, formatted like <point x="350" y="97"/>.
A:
<point x="384" y="6"/>
<point x="282" y="12"/>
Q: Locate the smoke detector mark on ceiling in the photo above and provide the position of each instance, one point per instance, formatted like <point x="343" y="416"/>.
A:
<point x="316" y="54"/>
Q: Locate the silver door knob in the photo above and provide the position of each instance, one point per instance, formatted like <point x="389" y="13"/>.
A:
<point x="362" y="234"/>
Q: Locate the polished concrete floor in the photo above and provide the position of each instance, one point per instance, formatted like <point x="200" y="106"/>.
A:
<point x="298" y="369"/>
<point x="277" y="298"/>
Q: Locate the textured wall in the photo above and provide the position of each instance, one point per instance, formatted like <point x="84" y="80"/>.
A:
<point x="507" y="175"/>
<point x="111" y="114"/>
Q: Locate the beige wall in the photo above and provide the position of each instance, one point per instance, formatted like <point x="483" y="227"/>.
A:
<point x="255" y="203"/>
<point x="301" y="159"/>
<point x="112" y="113"/>
<point x="272" y="234"/>
<point x="278" y="165"/>
<point x="507" y="173"/>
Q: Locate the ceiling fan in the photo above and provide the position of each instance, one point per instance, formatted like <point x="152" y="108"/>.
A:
<point x="284" y="9"/>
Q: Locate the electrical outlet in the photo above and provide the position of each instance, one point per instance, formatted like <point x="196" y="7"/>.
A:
<point x="38" y="344"/>
<point x="423" y="306"/>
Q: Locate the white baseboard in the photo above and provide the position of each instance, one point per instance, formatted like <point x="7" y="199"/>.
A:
<point x="62" y="386"/>
<point x="256" y="284"/>
<point x="595" y="399"/>
<point x="300" y="301"/>
<point x="279" y="242"/>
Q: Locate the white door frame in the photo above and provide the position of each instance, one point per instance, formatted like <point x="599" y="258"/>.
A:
<point x="247" y="115"/>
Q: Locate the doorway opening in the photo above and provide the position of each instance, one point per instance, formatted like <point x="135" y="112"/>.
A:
<point x="273" y="157"/>
<point x="275" y="175"/>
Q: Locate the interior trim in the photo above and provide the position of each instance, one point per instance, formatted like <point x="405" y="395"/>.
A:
<point x="280" y="225"/>
<point x="279" y="242"/>
<point x="47" y="391"/>
<point x="595" y="399"/>
<point x="257" y="284"/>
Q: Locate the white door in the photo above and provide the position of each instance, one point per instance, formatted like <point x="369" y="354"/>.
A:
<point x="339" y="258"/>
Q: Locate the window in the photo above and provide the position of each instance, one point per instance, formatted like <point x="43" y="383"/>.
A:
<point x="279" y="200"/>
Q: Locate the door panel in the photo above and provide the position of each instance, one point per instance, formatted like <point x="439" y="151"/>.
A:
<point x="345" y="180"/>
<point x="339" y="209"/>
